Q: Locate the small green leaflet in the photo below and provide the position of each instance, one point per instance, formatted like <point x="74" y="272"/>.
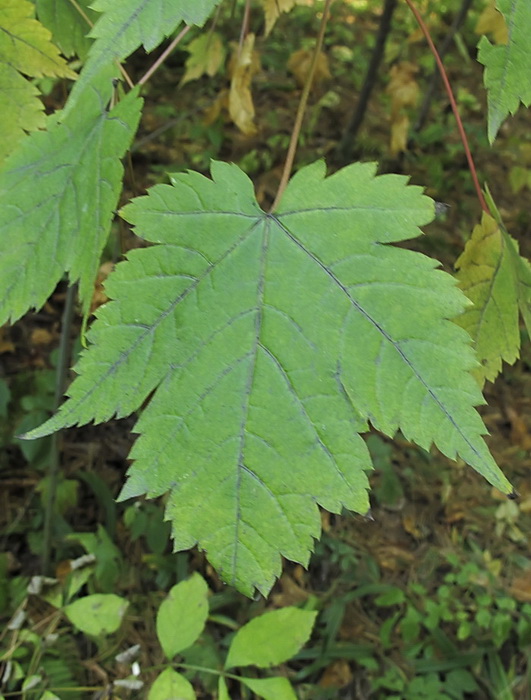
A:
<point x="127" y="24"/>
<point x="498" y="281"/>
<point x="271" y="639"/>
<point x="169" y="685"/>
<point x="508" y="67"/>
<point x="272" y="340"/>
<point x="57" y="196"/>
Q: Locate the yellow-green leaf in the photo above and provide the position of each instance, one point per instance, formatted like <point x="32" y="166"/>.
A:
<point x="25" y="47"/>
<point x="494" y="277"/>
<point x="207" y="54"/>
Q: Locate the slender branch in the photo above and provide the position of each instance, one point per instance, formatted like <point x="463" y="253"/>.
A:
<point x="245" y="25"/>
<point x="63" y="362"/>
<point x="292" y="148"/>
<point x="82" y="12"/>
<point x="434" y="80"/>
<point x="453" y="103"/>
<point x="345" y="147"/>
<point x="164" y="55"/>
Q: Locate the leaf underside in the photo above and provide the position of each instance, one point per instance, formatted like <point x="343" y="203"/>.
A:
<point x="272" y="340"/>
<point x="508" y="67"/>
<point x="58" y="192"/>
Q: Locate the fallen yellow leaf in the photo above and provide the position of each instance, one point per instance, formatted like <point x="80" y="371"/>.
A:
<point x="244" y="64"/>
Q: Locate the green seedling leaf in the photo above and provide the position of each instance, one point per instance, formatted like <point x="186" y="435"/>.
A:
<point x="57" y="196"/>
<point x="170" y="685"/>
<point x="270" y="688"/>
<point x="508" y="67"/>
<point x="68" y="23"/>
<point x="98" y="614"/>
<point x="182" y="615"/>
<point x="271" y="639"/>
<point x="498" y="282"/>
<point x="108" y="556"/>
<point x="26" y="49"/>
<point x="223" y="692"/>
<point x="127" y="24"/>
<point x="48" y="695"/>
<point x="271" y="340"/>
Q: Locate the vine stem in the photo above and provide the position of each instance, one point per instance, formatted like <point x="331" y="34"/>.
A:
<point x="453" y="103"/>
<point x="63" y="362"/>
<point x="164" y="55"/>
<point x="292" y="148"/>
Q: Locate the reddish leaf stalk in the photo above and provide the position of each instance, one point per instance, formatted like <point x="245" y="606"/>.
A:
<point x="453" y="103"/>
<point x="164" y="55"/>
<point x="292" y="148"/>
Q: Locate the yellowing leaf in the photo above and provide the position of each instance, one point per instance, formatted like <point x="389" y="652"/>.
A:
<point x="399" y="132"/>
<point x="244" y="64"/>
<point x="220" y="104"/>
<point x="496" y="279"/>
<point x="25" y="47"/>
<point x="207" y="54"/>
<point x="492" y="22"/>
<point x="20" y="110"/>
<point x="272" y="10"/>
<point x="403" y="88"/>
<point x="299" y="64"/>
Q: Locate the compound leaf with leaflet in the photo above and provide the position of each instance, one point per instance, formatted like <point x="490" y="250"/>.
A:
<point x="271" y="340"/>
<point x="124" y="25"/>
<point x="508" y="66"/>
<point x="57" y="196"/>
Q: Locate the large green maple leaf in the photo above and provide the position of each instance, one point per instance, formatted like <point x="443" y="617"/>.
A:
<point x="125" y="25"/>
<point x="271" y="340"/>
<point x="508" y="67"/>
<point x="58" y="192"/>
<point x="26" y="49"/>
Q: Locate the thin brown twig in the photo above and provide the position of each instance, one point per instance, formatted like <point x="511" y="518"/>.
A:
<point x="292" y="148"/>
<point x="453" y="103"/>
<point x="245" y="25"/>
<point x="164" y="55"/>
